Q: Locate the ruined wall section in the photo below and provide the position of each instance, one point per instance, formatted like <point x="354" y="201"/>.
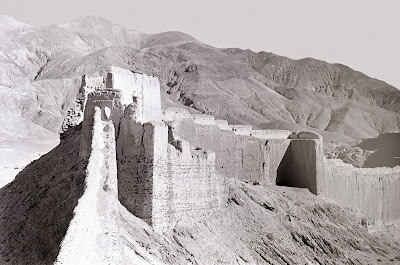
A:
<point x="239" y="154"/>
<point x="109" y="102"/>
<point x="163" y="180"/>
<point x="186" y="184"/>
<point x="95" y="221"/>
<point x="290" y="159"/>
<point x="375" y="191"/>
<point x="88" y="85"/>
<point x="270" y="134"/>
<point x="140" y="89"/>
<point x="274" y="153"/>
<point x="299" y="166"/>
<point x="135" y="156"/>
<point x="303" y="163"/>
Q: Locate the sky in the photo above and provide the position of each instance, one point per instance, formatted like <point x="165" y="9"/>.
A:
<point x="364" y="35"/>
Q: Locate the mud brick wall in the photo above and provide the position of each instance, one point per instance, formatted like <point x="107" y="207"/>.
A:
<point x="375" y="191"/>
<point x="241" y="156"/>
<point x="302" y="165"/>
<point x="162" y="180"/>
<point x="135" y="156"/>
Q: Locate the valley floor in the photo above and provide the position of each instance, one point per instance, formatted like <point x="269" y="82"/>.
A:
<point x="15" y="155"/>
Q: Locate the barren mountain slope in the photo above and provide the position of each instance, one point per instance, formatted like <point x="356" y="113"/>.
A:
<point x="309" y="74"/>
<point x="41" y="68"/>
<point x="37" y="206"/>
<point x="257" y="225"/>
<point x="237" y="85"/>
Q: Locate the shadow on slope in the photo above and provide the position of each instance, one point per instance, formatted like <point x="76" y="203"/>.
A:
<point x="386" y="149"/>
<point x="37" y="206"/>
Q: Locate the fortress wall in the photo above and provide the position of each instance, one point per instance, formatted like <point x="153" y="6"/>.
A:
<point x="135" y="156"/>
<point x="249" y="155"/>
<point x="173" y="169"/>
<point x="270" y="134"/>
<point x="241" y="129"/>
<point x="204" y="119"/>
<point x="373" y="191"/>
<point x="274" y="153"/>
<point x="302" y="165"/>
<point x="95" y="221"/>
<point x="210" y="137"/>
<point x="139" y="88"/>
<point x="105" y="99"/>
<point x="170" y="114"/>
<point x="162" y="179"/>
<point x="88" y="85"/>
<point x="390" y="196"/>
<point x="238" y="156"/>
<point x="93" y="82"/>
<point x="186" y="185"/>
<point x="249" y="158"/>
<point x="226" y="154"/>
<point x="223" y="125"/>
<point x="207" y="137"/>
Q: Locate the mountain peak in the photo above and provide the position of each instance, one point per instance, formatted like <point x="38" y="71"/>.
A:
<point x="92" y="19"/>
<point x="98" y="26"/>
<point x="90" y="22"/>
<point x="10" y="23"/>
